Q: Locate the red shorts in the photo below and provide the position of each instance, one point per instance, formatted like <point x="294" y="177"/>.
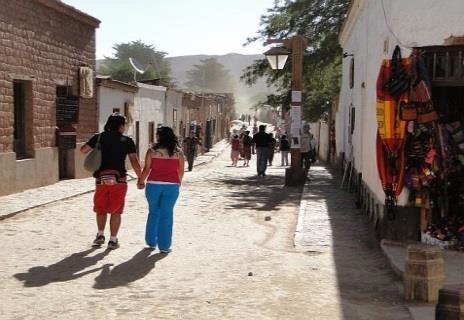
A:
<point x="109" y="198"/>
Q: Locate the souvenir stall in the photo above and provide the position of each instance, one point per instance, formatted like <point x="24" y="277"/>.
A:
<point x="421" y="141"/>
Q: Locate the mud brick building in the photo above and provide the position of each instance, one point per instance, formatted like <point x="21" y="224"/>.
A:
<point x="47" y="102"/>
<point x="208" y="115"/>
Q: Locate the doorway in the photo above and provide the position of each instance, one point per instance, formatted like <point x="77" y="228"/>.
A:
<point x="65" y="170"/>
<point x="22" y="91"/>
<point x="437" y="148"/>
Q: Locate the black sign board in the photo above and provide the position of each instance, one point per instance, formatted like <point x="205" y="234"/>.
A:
<point x="67" y="109"/>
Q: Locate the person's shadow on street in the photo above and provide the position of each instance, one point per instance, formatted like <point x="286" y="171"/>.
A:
<point x="132" y="270"/>
<point x="65" y="270"/>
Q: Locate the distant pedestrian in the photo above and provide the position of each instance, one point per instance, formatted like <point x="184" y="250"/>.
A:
<point x="164" y="168"/>
<point x="284" y="150"/>
<point x="313" y="149"/>
<point x="111" y="181"/>
<point x="247" y="142"/>
<point x="235" y="150"/>
<point x="255" y="129"/>
<point x="240" y="138"/>
<point x="305" y="147"/>
<point x="190" y="149"/>
<point x="272" y="145"/>
<point x="261" y="140"/>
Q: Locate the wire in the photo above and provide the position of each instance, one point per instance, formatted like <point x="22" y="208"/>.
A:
<point x="390" y="28"/>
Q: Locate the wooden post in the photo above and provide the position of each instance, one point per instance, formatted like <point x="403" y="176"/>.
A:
<point x="298" y="44"/>
<point x="423" y="219"/>
<point x="295" y="175"/>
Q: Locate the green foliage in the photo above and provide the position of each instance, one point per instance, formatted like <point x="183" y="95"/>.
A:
<point x="319" y="21"/>
<point x="157" y="67"/>
<point x="210" y="77"/>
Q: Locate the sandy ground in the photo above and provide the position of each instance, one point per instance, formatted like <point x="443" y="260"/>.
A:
<point x="229" y="261"/>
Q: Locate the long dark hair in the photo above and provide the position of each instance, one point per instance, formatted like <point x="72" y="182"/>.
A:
<point x="114" y="122"/>
<point x="167" y="139"/>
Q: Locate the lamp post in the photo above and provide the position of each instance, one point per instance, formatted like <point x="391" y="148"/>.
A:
<point x="277" y="56"/>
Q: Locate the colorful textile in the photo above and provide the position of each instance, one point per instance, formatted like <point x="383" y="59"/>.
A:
<point x="391" y="170"/>
<point x="391" y="129"/>
<point x="391" y="133"/>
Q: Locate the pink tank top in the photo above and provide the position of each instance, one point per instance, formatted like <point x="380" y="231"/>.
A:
<point x="164" y="170"/>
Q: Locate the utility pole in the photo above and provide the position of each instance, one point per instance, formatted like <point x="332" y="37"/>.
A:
<point x="295" y="175"/>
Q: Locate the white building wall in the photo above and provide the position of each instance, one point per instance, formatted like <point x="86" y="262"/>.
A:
<point x="420" y="23"/>
<point x="174" y="103"/>
<point x="323" y="142"/>
<point x="353" y="99"/>
<point x="416" y="23"/>
<point x="314" y="129"/>
<point x="149" y="106"/>
<point x="341" y="128"/>
<point x="109" y="99"/>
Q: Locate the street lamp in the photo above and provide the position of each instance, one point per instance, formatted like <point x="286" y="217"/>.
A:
<point x="277" y="56"/>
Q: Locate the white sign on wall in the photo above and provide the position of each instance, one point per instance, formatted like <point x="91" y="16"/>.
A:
<point x="295" y="130"/>
<point x="296" y="96"/>
<point x="295" y="114"/>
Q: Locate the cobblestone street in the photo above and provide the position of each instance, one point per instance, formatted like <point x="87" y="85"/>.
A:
<point x="233" y="256"/>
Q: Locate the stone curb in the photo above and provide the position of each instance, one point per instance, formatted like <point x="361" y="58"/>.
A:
<point x="212" y="156"/>
<point x="383" y="244"/>
<point x="12" y="214"/>
<point x="298" y="235"/>
<point x="300" y="224"/>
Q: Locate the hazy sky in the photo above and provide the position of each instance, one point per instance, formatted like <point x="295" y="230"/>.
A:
<point x="178" y="27"/>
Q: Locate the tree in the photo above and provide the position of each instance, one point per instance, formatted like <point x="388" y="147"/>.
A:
<point x="210" y="77"/>
<point x="120" y="69"/>
<point x="319" y="21"/>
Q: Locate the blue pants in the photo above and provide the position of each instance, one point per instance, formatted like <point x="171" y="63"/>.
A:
<point x="161" y="200"/>
<point x="262" y="155"/>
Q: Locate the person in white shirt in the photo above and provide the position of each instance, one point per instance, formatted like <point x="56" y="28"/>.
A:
<point x="305" y="147"/>
<point x="312" y="146"/>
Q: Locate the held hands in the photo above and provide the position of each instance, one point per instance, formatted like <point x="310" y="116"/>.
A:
<point x="140" y="184"/>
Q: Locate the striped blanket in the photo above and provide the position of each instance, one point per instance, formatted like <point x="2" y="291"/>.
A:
<point x="391" y="133"/>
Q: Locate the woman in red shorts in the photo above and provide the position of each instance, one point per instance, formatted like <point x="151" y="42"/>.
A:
<point x="111" y="181"/>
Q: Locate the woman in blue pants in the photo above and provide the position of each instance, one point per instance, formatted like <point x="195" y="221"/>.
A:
<point x="164" y="168"/>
